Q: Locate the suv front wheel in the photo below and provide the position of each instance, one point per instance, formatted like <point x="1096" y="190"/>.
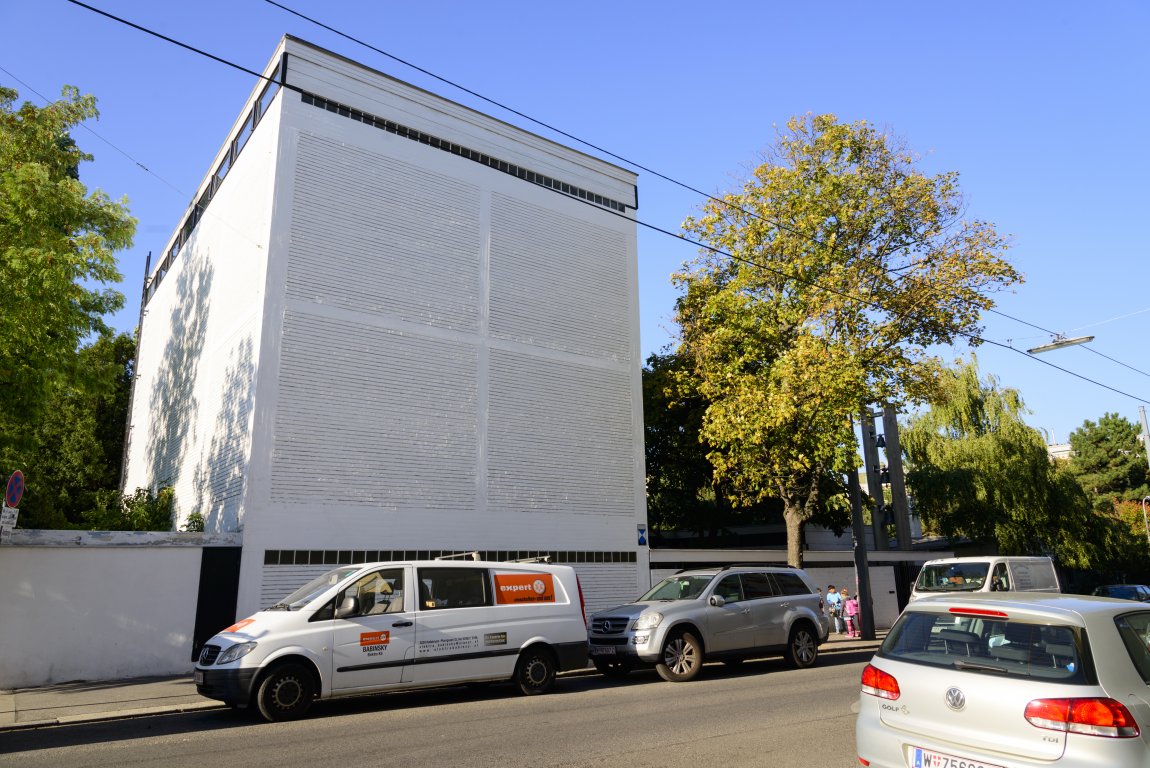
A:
<point x="682" y="658"/>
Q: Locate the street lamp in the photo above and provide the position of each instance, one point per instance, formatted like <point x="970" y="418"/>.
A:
<point x="1059" y="342"/>
<point x="1144" y="522"/>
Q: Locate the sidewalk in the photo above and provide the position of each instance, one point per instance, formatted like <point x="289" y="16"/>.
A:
<point x="86" y="702"/>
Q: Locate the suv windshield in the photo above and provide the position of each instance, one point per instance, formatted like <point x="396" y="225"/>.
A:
<point x="952" y="577"/>
<point x="313" y="588"/>
<point x="679" y="588"/>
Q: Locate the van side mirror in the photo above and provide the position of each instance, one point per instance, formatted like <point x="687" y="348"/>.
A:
<point x="717" y="601"/>
<point x="349" y="607"/>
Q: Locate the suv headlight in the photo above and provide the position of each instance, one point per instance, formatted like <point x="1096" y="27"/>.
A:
<point x="648" y="621"/>
<point x="237" y="651"/>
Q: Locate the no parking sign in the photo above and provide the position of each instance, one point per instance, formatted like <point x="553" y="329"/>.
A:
<point x="15" y="489"/>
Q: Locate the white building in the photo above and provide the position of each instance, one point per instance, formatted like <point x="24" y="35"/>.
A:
<point x="393" y="325"/>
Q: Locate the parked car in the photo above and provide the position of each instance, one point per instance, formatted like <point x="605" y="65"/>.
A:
<point x="1009" y="679"/>
<point x="991" y="573"/>
<point x="1139" y="592"/>
<point x="398" y="625"/>
<point x="729" y="613"/>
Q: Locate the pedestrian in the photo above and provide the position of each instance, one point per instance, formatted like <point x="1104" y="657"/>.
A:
<point x="851" y="611"/>
<point x="835" y="609"/>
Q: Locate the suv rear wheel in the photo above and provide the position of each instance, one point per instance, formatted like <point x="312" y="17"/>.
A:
<point x="682" y="658"/>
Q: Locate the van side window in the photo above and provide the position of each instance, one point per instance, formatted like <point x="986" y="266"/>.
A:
<point x="1000" y="580"/>
<point x="453" y="588"/>
<point x="378" y="592"/>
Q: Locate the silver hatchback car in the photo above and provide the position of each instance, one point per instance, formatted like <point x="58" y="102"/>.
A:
<point x="728" y="614"/>
<point x="1007" y="680"/>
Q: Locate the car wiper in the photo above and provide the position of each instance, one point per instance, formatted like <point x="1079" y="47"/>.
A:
<point x="279" y="607"/>
<point x="960" y="664"/>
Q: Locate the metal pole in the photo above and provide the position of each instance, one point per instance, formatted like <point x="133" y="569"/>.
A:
<point x="862" y="567"/>
<point x="873" y="482"/>
<point x="897" y="481"/>
<point x="1144" y="521"/>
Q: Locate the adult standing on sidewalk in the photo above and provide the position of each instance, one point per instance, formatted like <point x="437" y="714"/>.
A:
<point x="835" y="608"/>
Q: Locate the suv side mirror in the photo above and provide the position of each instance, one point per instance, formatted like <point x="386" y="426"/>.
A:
<point x="349" y="607"/>
<point x="717" y="601"/>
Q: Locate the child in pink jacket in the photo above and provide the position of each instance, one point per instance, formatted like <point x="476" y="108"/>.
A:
<point x="851" y="609"/>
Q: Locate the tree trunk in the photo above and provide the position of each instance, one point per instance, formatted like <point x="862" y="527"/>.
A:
<point x="794" y="516"/>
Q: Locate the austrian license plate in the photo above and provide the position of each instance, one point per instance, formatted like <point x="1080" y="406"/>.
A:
<point x="925" y="758"/>
<point x="198" y="677"/>
<point x="602" y="650"/>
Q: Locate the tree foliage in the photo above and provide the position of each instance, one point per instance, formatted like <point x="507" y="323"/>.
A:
<point x="57" y="245"/>
<point x="1109" y="461"/>
<point x="977" y="470"/>
<point x="821" y="284"/>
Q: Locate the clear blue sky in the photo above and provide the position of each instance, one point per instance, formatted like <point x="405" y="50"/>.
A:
<point x="1042" y="107"/>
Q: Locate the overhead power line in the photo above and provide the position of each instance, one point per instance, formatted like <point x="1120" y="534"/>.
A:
<point x="808" y="281"/>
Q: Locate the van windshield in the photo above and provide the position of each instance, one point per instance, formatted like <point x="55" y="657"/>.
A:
<point x="952" y="577"/>
<point x="679" y="588"/>
<point x="310" y="591"/>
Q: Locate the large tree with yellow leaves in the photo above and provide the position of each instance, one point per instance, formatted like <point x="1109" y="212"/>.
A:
<point x="820" y="287"/>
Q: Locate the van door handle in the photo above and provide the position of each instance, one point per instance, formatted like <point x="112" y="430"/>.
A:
<point x="403" y="623"/>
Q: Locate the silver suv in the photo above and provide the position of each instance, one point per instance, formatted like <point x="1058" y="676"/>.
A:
<point x="727" y="614"/>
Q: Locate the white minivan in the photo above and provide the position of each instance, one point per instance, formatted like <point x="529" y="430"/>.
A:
<point x="992" y="573"/>
<point x="398" y="625"/>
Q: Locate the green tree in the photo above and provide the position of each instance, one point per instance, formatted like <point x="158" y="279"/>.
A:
<point x="144" y="510"/>
<point x="977" y="470"/>
<point x="75" y="449"/>
<point x="822" y="284"/>
<point x="57" y="245"/>
<point x="1109" y="461"/>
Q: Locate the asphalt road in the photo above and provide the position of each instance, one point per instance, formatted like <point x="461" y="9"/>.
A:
<point x="760" y="713"/>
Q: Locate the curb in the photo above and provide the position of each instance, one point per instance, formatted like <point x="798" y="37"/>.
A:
<point x="99" y="717"/>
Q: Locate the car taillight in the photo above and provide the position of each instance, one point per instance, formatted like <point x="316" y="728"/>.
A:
<point x="1093" y="717"/>
<point x="879" y="683"/>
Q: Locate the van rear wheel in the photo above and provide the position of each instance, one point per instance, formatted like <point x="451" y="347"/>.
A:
<point x="535" y="672"/>
<point x="286" y="692"/>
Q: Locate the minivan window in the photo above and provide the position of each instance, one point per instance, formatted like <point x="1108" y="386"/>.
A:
<point x="453" y="588"/>
<point x="952" y="577"/>
<point x="378" y="592"/>
<point x="1012" y="647"/>
<point x="310" y="591"/>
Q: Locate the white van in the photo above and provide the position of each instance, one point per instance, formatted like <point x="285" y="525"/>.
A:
<point x="397" y="625"/>
<point x="986" y="574"/>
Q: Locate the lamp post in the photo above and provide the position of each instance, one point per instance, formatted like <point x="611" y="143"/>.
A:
<point x="1144" y="521"/>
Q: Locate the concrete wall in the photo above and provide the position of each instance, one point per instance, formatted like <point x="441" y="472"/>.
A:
<point x="88" y="606"/>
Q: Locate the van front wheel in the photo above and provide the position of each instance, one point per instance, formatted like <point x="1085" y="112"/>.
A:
<point x="286" y="693"/>
<point x="535" y="672"/>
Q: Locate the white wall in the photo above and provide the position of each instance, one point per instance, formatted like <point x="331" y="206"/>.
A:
<point x="94" y="612"/>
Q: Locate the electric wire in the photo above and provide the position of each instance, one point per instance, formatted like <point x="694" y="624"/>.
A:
<point x="970" y="336"/>
<point x="615" y="156"/>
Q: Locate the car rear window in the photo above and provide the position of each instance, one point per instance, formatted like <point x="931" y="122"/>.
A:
<point x="993" y="646"/>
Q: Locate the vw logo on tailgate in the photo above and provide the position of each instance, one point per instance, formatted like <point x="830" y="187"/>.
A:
<point x="955" y="699"/>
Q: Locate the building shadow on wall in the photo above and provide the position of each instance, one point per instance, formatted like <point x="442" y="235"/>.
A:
<point x="220" y="476"/>
<point x="174" y="406"/>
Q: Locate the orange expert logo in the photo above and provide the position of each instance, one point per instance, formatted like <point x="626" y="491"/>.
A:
<point x="374" y="638"/>
<point x="524" y="588"/>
